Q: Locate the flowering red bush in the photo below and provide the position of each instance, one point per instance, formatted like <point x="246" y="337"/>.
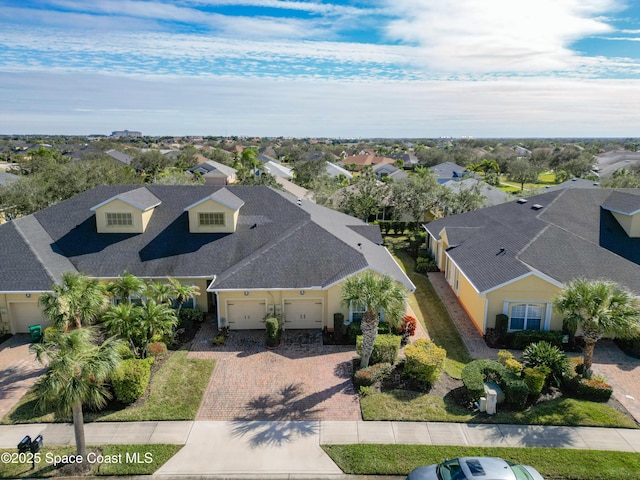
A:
<point x="408" y="325"/>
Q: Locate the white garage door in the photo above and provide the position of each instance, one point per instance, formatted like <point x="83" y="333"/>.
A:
<point x="305" y="313"/>
<point x="246" y="314"/>
<point x="25" y="314"/>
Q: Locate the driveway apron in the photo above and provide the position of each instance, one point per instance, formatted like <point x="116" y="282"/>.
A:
<point x="19" y="370"/>
<point x="301" y="380"/>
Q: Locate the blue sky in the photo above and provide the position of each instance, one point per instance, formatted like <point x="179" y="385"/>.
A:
<point x="388" y="68"/>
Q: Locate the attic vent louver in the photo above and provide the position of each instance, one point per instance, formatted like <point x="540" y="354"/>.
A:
<point x="537" y="206"/>
<point x="522" y="200"/>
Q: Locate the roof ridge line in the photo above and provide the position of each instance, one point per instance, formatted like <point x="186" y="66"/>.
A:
<point x="31" y="219"/>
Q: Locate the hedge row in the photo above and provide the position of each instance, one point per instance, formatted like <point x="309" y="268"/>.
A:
<point x="385" y="348"/>
<point x="371" y="375"/>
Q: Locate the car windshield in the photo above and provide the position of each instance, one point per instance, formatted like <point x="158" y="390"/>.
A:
<point x="450" y="470"/>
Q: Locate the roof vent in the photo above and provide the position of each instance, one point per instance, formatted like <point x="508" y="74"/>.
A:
<point x="537" y="206"/>
<point x="522" y="200"/>
<point x="299" y="201"/>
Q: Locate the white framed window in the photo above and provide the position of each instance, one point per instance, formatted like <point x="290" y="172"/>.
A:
<point x="356" y="312"/>
<point x="211" y="218"/>
<point x="526" y="316"/>
<point x="116" y="219"/>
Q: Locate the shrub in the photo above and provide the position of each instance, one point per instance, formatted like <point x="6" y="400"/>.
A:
<point x="409" y="325"/>
<point x="630" y="346"/>
<point x="366" y="390"/>
<point x="190" y="315"/>
<point x="124" y="350"/>
<point x="370" y="375"/>
<point x="353" y="330"/>
<point x="594" y="389"/>
<point x="535" y="378"/>
<point x="384" y="328"/>
<point x="273" y="331"/>
<point x="158" y="349"/>
<point x="502" y="324"/>
<point x="543" y="353"/>
<point x="130" y="380"/>
<point x="424" y="264"/>
<point x="475" y="373"/>
<point x="523" y="338"/>
<point x="503" y="356"/>
<point x="425" y="361"/>
<point x="49" y="334"/>
<point x="385" y="348"/>
<point x="514" y="366"/>
<point x="218" y="339"/>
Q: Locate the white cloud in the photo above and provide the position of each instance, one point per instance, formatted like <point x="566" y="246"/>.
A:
<point x="498" y="35"/>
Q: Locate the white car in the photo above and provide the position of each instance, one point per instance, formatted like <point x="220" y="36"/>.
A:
<point x="475" y="468"/>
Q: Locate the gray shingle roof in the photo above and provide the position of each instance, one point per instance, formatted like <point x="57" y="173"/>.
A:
<point x="277" y="244"/>
<point x="448" y="171"/>
<point x="570" y="236"/>
<point x="211" y="168"/>
<point x="140" y="198"/>
<point x="7" y="178"/>
<point x="623" y="203"/>
<point x="119" y="156"/>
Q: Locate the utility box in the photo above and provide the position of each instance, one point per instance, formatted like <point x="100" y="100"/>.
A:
<point x="492" y="402"/>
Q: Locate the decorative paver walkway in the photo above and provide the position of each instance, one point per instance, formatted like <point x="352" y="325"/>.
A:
<point x="19" y="370"/>
<point x="301" y="380"/>
<point x="621" y="370"/>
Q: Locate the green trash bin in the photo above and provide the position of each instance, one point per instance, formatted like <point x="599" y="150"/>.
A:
<point x="36" y="332"/>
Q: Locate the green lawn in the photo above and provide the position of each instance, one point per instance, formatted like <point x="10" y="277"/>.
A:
<point x="175" y="393"/>
<point x="435" y="318"/>
<point x="404" y="405"/>
<point x="552" y="463"/>
<point x="544" y="179"/>
<point x="126" y="460"/>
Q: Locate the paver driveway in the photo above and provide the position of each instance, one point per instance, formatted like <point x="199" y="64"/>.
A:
<point x="302" y="380"/>
<point x="18" y="371"/>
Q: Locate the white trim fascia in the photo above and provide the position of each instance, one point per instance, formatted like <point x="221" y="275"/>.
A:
<point x="265" y="289"/>
<point x="537" y="274"/>
<point x="486" y="312"/>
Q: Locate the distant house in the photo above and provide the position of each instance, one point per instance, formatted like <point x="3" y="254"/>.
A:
<point x="215" y="173"/>
<point x="334" y="170"/>
<point x="493" y="195"/>
<point x="361" y="161"/>
<point x="408" y="158"/>
<point x="515" y="257"/>
<point x="388" y="170"/>
<point x="7" y="178"/>
<point x="277" y="170"/>
<point x="521" y="151"/>
<point x="447" y="171"/>
<point x="119" y="156"/>
<point x="264" y="158"/>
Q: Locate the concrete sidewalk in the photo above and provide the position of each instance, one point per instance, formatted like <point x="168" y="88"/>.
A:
<point x="292" y="449"/>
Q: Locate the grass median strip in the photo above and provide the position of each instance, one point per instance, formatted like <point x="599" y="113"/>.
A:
<point x="404" y="405"/>
<point x="175" y="393"/>
<point x="552" y="463"/>
<point x="102" y="460"/>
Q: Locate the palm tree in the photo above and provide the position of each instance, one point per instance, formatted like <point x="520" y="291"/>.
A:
<point x="154" y="319"/>
<point x="160" y="292"/>
<point x="76" y="302"/>
<point x="377" y="294"/>
<point x="598" y="307"/>
<point x="126" y="286"/>
<point x="122" y="320"/>
<point x="77" y="375"/>
<point x="181" y="292"/>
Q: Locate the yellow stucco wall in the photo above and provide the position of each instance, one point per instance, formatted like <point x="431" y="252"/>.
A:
<point x="631" y="224"/>
<point x="210" y="206"/>
<point x="7" y="323"/>
<point x="471" y="301"/>
<point x="530" y="289"/>
<point x="118" y="206"/>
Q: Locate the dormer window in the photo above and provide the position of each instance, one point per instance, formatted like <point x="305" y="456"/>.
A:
<point x="211" y="218"/>
<point x="118" y="219"/>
